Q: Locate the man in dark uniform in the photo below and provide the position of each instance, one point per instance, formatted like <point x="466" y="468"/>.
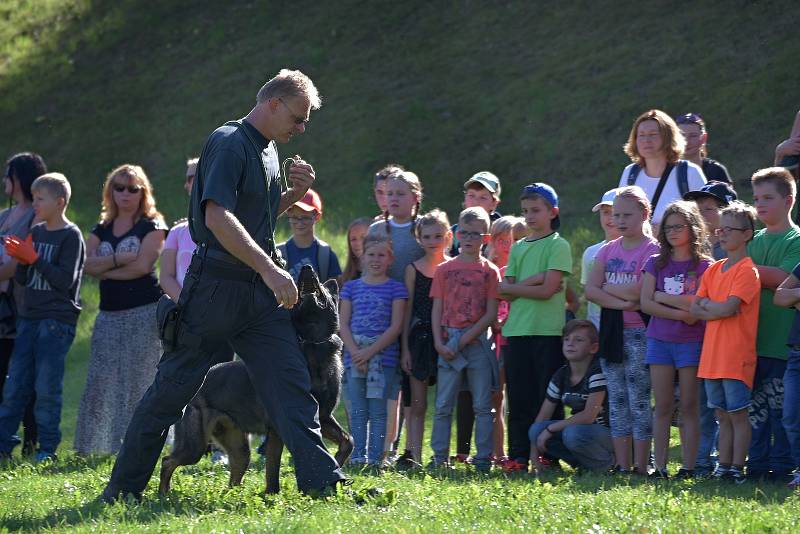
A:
<point x="234" y="291"/>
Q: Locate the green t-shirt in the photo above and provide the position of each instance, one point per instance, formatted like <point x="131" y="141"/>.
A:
<point x="781" y="250"/>
<point x="535" y="317"/>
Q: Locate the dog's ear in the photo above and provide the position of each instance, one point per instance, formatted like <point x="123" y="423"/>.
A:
<point x="332" y="287"/>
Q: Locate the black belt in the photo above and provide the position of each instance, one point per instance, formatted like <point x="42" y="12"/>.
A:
<point x="204" y="251"/>
<point x="220" y="264"/>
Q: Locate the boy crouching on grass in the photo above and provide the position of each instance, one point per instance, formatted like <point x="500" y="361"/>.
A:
<point x="728" y="300"/>
<point x="50" y="268"/>
<point x="464" y="293"/>
<point x="583" y="440"/>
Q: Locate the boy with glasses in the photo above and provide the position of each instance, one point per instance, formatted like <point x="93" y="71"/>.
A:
<point x="728" y="300"/>
<point x="534" y="285"/>
<point x="304" y="248"/>
<point x="464" y="293"/>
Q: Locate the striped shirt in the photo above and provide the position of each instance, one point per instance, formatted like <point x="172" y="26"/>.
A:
<point x="561" y="391"/>
<point x="372" y="313"/>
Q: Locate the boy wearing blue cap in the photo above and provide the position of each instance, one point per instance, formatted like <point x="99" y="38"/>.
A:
<point x="534" y="285"/>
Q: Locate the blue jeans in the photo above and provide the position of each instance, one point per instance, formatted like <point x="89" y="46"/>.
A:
<point x="791" y="404"/>
<point x="769" y="449"/>
<point x="368" y="417"/>
<point x="478" y="372"/>
<point x="709" y="433"/>
<point x="37" y="365"/>
<point x="587" y="446"/>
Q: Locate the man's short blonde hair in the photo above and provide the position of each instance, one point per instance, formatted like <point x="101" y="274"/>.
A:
<point x="290" y="83"/>
<point x="54" y="183"/>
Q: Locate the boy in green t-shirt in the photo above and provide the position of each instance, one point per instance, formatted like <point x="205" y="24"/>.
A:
<point x="534" y="285"/>
<point x="775" y="250"/>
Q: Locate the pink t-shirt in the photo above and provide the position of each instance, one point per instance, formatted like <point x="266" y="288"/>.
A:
<point x="465" y="289"/>
<point x="624" y="266"/>
<point x="179" y="239"/>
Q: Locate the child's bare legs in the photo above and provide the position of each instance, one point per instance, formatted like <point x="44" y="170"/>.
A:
<point x="663" y="379"/>
<point x="641" y="455"/>
<point x="725" y="446"/>
<point x="498" y="403"/>
<point x="416" y="417"/>
<point x="742" y="434"/>
<point x="392" y="420"/>
<point x="622" y="452"/>
<point x="690" y="415"/>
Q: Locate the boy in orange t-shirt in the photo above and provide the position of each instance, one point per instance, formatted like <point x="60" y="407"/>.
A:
<point x="464" y="293"/>
<point x="728" y="300"/>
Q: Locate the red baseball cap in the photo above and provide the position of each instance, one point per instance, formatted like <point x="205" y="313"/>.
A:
<point x="310" y="202"/>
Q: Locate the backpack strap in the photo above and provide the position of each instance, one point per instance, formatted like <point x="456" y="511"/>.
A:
<point x="323" y="259"/>
<point x="660" y="188"/>
<point x="683" y="177"/>
<point x="633" y="174"/>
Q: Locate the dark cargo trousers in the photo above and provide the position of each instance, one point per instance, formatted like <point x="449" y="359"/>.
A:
<point x="221" y="303"/>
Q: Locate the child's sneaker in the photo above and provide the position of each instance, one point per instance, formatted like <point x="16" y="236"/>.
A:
<point x="461" y="458"/>
<point x="43" y="456"/>
<point x="657" y="474"/>
<point x="499" y="461"/>
<point x="735" y="475"/>
<point x="685" y="474"/>
<point x="618" y="470"/>
<point x="515" y="465"/>
<point x="795" y="482"/>
<point x="720" y="472"/>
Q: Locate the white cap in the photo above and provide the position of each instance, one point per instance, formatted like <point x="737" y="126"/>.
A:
<point x="607" y="200"/>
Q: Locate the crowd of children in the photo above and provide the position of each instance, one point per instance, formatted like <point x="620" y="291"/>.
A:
<point x="692" y="319"/>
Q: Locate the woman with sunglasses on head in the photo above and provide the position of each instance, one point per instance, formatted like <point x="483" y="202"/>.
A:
<point x="21" y="171"/>
<point x="122" y="250"/>
<point x="655" y="146"/>
<point x="693" y="128"/>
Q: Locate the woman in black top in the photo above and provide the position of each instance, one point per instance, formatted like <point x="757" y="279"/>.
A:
<point x="122" y="250"/>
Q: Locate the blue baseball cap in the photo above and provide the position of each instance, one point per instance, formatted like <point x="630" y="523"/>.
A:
<point x="720" y="191"/>
<point x="548" y="194"/>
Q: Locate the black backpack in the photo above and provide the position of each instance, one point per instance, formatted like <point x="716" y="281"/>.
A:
<point x="683" y="179"/>
<point x="323" y="257"/>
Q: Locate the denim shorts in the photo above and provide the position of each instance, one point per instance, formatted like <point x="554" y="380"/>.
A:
<point x="727" y="394"/>
<point x="671" y="353"/>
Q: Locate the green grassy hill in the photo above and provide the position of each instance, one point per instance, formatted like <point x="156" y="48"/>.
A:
<point x="529" y="90"/>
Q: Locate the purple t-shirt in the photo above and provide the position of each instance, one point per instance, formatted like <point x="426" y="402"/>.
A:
<point x="372" y="313"/>
<point x="180" y="240"/>
<point x="676" y="278"/>
<point x="624" y="266"/>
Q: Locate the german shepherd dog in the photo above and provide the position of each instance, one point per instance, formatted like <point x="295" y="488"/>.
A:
<point x="226" y="409"/>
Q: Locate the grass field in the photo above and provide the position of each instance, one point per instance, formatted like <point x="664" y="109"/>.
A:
<point x="530" y="90"/>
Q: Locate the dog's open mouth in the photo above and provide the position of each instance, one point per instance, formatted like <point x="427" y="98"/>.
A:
<point x="307" y="283"/>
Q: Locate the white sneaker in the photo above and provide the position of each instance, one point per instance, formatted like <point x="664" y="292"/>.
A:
<point x="795" y="483"/>
<point x="219" y="457"/>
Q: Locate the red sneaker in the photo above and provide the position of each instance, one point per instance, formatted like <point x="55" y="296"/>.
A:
<point x="513" y="466"/>
<point x="501" y="461"/>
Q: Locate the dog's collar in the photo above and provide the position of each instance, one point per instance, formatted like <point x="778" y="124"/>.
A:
<point x="306" y="342"/>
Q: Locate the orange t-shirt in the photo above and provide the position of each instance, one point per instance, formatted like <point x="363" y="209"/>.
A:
<point x="729" y="344"/>
<point x="465" y="288"/>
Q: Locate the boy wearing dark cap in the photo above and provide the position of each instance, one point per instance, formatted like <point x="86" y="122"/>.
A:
<point x="534" y="285"/>
<point x="482" y="190"/>
<point x="304" y="248"/>
<point x="710" y="200"/>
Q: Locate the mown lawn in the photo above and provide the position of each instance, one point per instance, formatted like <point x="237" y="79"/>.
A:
<point x="60" y="496"/>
